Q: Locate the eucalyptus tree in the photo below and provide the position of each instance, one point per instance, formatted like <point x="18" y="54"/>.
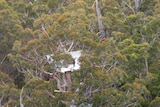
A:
<point x="9" y="94"/>
<point x="119" y="42"/>
<point x="9" y="22"/>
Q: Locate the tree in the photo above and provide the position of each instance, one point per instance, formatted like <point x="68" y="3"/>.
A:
<point x="10" y="28"/>
<point x="118" y="41"/>
<point x="102" y="32"/>
<point x="9" y="93"/>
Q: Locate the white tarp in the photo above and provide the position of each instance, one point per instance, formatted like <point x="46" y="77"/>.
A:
<point x="71" y="67"/>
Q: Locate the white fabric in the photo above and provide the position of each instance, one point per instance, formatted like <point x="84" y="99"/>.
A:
<point x="71" y="67"/>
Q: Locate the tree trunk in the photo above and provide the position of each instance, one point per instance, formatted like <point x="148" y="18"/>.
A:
<point x="64" y="86"/>
<point x="146" y="64"/>
<point x="137" y="4"/>
<point x="58" y="80"/>
<point x="1" y="100"/>
<point x="103" y="33"/>
<point x="68" y="81"/>
<point x="21" y="99"/>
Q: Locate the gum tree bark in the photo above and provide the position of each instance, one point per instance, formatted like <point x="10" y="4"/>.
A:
<point x="21" y="99"/>
<point x="67" y="79"/>
<point x="63" y="84"/>
<point x="137" y="4"/>
<point x="102" y="32"/>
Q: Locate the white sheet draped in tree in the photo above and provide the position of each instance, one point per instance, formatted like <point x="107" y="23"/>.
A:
<point x="71" y="67"/>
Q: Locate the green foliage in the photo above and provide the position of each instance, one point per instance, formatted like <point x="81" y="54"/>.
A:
<point x="155" y="102"/>
<point x="8" y="91"/>
<point x="36" y="93"/>
<point x="121" y="70"/>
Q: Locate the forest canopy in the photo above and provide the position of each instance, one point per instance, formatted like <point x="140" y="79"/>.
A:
<point x="79" y="53"/>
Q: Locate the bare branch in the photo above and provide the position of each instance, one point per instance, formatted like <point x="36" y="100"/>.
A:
<point x="71" y="46"/>
<point x="20" y="69"/>
<point x="27" y="59"/>
<point x="44" y="30"/>
<point x="31" y="73"/>
<point x="3" y="59"/>
<point x="64" y="102"/>
<point x="1" y="99"/>
<point x="3" y="82"/>
<point x="96" y="90"/>
<point x="50" y="94"/>
<point x="129" y="6"/>
<point x="88" y="92"/>
<point x="59" y="85"/>
<point x="112" y="66"/>
<point x="20" y="101"/>
<point x="62" y="47"/>
<point x="59" y="91"/>
<point x="38" y="58"/>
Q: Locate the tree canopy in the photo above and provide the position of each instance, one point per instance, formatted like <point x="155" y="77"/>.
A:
<point x="119" y="60"/>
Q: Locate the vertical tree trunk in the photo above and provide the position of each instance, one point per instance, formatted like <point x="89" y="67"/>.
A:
<point x="137" y="4"/>
<point x="68" y="80"/>
<point x="146" y="64"/>
<point x="21" y="99"/>
<point x="59" y="86"/>
<point x="1" y="98"/>
<point x="58" y="80"/>
<point x="64" y="86"/>
<point x="103" y="33"/>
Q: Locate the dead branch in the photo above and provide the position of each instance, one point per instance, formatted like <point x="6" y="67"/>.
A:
<point x="20" y="101"/>
<point x="62" y="47"/>
<point x="88" y="92"/>
<point x="71" y="46"/>
<point x="1" y="99"/>
<point x="129" y="6"/>
<point x="3" y="59"/>
<point x="50" y="94"/>
<point x="59" y="85"/>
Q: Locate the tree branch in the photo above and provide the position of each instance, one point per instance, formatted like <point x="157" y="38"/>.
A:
<point x="69" y="49"/>
<point x="59" y="85"/>
<point x="50" y="94"/>
<point x="3" y="59"/>
<point x="20" y="101"/>
<point x="1" y="99"/>
<point x="129" y="6"/>
<point x="100" y="25"/>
